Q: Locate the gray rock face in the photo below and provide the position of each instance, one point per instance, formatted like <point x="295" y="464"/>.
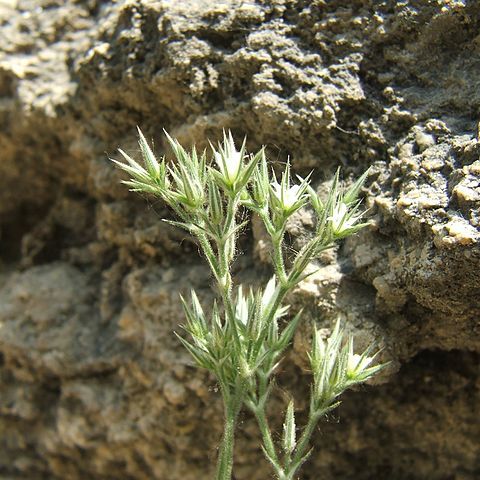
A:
<point x="93" y="383"/>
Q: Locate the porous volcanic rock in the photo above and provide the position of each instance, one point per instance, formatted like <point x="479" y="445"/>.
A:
<point x="93" y="383"/>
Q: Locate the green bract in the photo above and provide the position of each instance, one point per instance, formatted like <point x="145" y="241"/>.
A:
<point x="242" y="338"/>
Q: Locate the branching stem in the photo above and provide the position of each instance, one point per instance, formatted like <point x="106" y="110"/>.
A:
<point x="242" y="349"/>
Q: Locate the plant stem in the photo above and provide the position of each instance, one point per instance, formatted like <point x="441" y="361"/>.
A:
<point x="302" y="446"/>
<point x="226" y="250"/>
<point x="268" y="444"/>
<point x="209" y="255"/>
<point x="225" y="458"/>
<point x="278" y="261"/>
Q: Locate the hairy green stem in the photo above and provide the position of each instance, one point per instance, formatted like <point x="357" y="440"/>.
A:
<point x="291" y="465"/>
<point x="268" y="444"/>
<point x="232" y="404"/>
<point x="278" y="261"/>
<point x="209" y="255"/>
<point x="302" y="446"/>
<point x="258" y="409"/>
<point x="225" y="457"/>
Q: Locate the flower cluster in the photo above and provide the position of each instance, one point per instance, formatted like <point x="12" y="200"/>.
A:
<point x="335" y="368"/>
<point x="244" y="335"/>
<point x="251" y="342"/>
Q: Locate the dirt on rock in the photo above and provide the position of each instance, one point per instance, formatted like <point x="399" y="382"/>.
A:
<point x="93" y="383"/>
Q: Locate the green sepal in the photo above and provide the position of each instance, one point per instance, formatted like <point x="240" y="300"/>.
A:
<point x="289" y="439"/>
<point x="351" y="194"/>
<point x="151" y="163"/>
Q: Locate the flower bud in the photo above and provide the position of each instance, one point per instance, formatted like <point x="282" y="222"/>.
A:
<point x="229" y="160"/>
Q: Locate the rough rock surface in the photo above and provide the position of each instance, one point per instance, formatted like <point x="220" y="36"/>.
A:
<point x="93" y="385"/>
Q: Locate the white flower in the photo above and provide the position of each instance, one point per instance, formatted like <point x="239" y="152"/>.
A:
<point x="229" y="166"/>
<point x="229" y="160"/>
<point x="268" y="299"/>
<point x="357" y="364"/>
<point x="268" y="293"/>
<point x="287" y="196"/>
<point x="241" y="307"/>
<point x="341" y="220"/>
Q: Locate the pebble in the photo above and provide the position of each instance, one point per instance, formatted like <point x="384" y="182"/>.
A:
<point x="424" y="140"/>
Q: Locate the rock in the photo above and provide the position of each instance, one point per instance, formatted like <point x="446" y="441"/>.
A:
<point x="424" y="140"/>
<point x="93" y="382"/>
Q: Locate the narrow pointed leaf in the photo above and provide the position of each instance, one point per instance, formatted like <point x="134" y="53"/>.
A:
<point x="151" y="163"/>
<point x="289" y="439"/>
<point x="351" y="194"/>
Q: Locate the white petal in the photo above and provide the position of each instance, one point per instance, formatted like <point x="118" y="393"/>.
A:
<point x="218" y="159"/>
<point x="233" y="162"/>
<point x="268" y="293"/>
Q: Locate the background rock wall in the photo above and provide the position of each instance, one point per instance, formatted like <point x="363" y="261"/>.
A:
<point x="93" y="384"/>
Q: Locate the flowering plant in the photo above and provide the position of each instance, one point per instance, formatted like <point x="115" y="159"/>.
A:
<point x="243" y="339"/>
